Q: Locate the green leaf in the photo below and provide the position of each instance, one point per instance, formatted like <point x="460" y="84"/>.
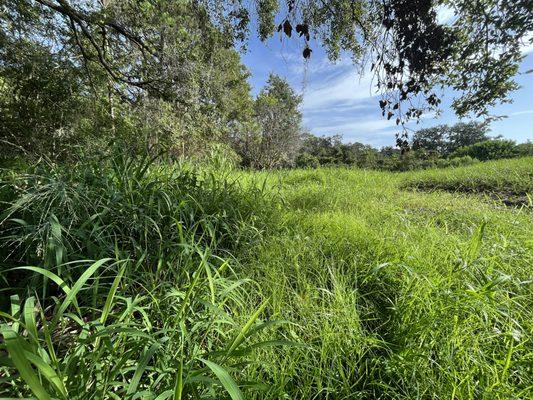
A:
<point x="242" y="334"/>
<point x="109" y="301"/>
<point x="71" y="296"/>
<point x="141" y="367"/>
<point x="48" y="372"/>
<point x="53" y="277"/>
<point x="14" y="346"/>
<point x="29" y="318"/>
<point x="225" y="379"/>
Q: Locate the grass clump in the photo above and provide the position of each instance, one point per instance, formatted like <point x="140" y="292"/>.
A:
<point x="507" y="181"/>
<point x="160" y="315"/>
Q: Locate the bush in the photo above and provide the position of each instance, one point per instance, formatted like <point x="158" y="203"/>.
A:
<point x="525" y="149"/>
<point x="462" y="161"/>
<point x="489" y="150"/>
<point x="140" y="207"/>
<point x="307" y="160"/>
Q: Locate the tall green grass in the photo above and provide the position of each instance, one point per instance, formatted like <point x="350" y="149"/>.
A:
<point x="213" y="284"/>
<point x="160" y="315"/>
<point x="506" y="181"/>
<point x="399" y="295"/>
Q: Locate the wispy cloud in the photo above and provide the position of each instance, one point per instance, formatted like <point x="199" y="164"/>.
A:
<point x="343" y="89"/>
<point x="523" y="112"/>
<point x="527" y="46"/>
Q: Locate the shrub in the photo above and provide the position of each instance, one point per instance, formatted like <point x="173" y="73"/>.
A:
<point x="142" y="208"/>
<point x="462" y="161"/>
<point x="489" y="150"/>
<point x="525" y="149"/>
<point x="307" y="160"/>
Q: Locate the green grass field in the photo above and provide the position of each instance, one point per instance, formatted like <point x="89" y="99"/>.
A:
<point x="508" y="182"/>
<point x="303" y="284"/>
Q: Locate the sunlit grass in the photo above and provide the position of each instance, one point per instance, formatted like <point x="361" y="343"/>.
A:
<point x="317" y="284"/>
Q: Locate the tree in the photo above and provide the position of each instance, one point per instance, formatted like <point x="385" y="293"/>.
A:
<point x="277" y="139"/>
<point x="326" y="150"/>
<point x="525" y="149"/>
<point x="432" y="139"/>
<point x="466" y="134"/>
<point x="40" y="96"/>
<point x="106" y="86"/>
<point x="411" y="53"/>
<point x="444" y="139"/>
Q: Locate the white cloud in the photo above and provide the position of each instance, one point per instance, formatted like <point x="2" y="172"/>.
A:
<point x="357" y="126"/>
<point x="527" y="46"/>
<point x="522" y="112"/>
<point x="376" y="131"/>
<point x="344" y="90"/>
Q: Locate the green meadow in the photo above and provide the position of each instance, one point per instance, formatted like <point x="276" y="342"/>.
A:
<point x="139" y="280"/>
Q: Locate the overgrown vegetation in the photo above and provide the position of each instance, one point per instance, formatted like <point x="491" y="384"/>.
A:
<point x="161" y="313"/>
<point x="138" y="261"/>
<point x="510" y="181"/>
<point x="213" y="283"/>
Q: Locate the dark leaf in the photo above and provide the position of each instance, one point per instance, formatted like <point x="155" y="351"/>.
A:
<point x="307" y="52"/>
<point x="287" y="28"/>
<point x="303" y="30"/>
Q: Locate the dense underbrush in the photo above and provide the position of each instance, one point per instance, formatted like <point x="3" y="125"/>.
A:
<point x="160" y="313"/>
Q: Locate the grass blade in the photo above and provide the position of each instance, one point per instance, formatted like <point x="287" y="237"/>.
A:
<point x="225" y="379"/>
<point x="18" y="356"/>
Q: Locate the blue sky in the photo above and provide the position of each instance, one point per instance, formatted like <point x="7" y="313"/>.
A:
<point x="337" y="100"/>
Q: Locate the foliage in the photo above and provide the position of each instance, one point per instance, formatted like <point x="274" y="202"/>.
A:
<point x="146" y="47"/>
<point x="509" y="181"/>
<point x="399" y="294"/>
<point x="330" y="150"/>
<point x="525" y="149"/>
<point x="161" y="315"/>
<point x="90" y="99"/>
<point x="489" y="150"/>
<point x="444" y="139"/>
<point x="275" y="140"/>
<point x="358" y="289"/>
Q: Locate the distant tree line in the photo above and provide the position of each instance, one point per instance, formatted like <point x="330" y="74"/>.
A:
<point x="439" y="146"/>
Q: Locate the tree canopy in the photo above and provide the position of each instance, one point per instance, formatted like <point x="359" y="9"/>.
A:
<point x="171" y="50"/>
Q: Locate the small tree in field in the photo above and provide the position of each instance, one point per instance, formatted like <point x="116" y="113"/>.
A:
<point x="280" y="130"/>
